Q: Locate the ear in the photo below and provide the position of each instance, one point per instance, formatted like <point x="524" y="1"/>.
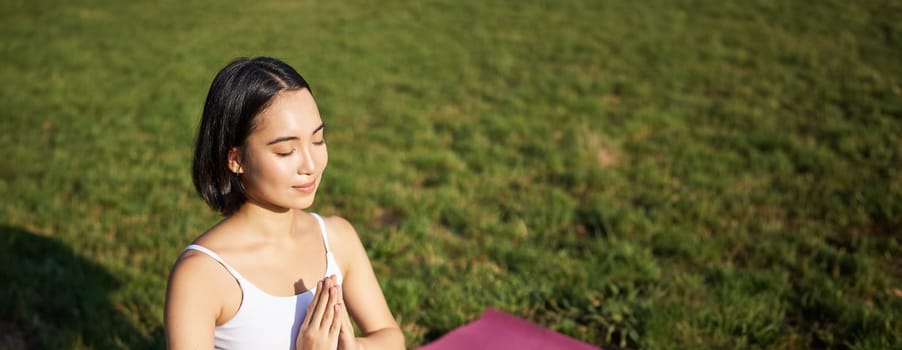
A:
<point x="235" y="161"/>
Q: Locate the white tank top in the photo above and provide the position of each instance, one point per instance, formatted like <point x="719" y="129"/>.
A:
<point x="265" y="321"/>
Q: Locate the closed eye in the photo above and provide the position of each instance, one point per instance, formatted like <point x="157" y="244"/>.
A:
<point x="285" y="154"/>
<point x="320" y="130"/>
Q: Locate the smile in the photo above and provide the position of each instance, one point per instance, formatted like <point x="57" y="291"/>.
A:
<point x="307" y="187"/>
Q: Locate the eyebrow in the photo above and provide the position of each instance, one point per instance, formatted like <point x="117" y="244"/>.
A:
<point x="292" y="138"/>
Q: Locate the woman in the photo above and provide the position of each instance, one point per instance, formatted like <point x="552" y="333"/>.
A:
<point x="270" y="275"/>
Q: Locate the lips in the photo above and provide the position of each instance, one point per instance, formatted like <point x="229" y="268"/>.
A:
<point x="307" y="187"/>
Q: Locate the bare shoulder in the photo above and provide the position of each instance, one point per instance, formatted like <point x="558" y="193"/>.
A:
<point x="194" y="268"/>
<point x="191" y="310"/>
<point x="345" y="242"/>
<point x="340" y="228"/>
<point x="193" y="261"/>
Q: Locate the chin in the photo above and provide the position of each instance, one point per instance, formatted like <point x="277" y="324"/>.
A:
<point x="289" y="204"/>
<point x="307" y="203"/>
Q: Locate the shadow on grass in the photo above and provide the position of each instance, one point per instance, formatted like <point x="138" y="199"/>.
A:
<point x="55" y="299"/>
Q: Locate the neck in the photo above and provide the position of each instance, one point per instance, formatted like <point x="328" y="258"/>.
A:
<point x="269" y="224"/>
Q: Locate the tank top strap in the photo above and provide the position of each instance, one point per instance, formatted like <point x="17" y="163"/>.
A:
<point x="216" y="257"/>
<point x="322" y="230"/>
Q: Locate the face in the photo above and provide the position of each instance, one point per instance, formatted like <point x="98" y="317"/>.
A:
<point x="284" y="157"/>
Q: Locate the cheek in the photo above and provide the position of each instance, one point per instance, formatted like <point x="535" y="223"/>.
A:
<point x="322" y="158"/>
<point x="278" y="169"/>
<point x="268" y="170"/>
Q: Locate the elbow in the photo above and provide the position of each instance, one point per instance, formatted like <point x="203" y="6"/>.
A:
<point x="389" y="338"/>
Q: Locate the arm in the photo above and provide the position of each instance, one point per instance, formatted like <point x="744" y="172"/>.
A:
<point x="361" y="291"/>
<point x="191" y="310"/>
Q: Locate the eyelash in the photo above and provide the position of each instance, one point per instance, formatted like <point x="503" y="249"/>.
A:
<point x="286" y="154"/>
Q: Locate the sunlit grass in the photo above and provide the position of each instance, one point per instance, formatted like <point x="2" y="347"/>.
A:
<point x="645" y="175"/>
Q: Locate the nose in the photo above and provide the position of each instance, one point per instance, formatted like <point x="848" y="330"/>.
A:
<point x="307" y="162"/>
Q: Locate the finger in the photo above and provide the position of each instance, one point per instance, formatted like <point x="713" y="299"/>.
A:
<point x="338" y="326"/>
<point x="347" y="329"/>
<point x="329" y="315"/>
<point x="322" y="301"/>
<point x="312" y="305"/>
<point x="341" y="301"/>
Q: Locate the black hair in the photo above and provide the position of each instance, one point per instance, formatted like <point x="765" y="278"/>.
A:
<point x="240" y="91"/>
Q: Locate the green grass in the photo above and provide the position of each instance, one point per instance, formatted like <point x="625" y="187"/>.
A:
<point x="660" y="174"/>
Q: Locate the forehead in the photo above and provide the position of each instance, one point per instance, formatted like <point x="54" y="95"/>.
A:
<point x="290" y="112"/>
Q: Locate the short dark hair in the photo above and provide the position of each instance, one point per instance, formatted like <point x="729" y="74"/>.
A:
<point x="240" y="91"/>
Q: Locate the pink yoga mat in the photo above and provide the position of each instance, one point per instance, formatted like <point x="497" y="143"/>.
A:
<point x="498" y="330"/>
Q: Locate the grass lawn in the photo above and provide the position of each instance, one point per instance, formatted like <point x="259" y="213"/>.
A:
<point x="634" y="174"/>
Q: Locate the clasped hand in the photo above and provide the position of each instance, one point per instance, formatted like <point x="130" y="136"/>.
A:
<point x="327" y="325"/>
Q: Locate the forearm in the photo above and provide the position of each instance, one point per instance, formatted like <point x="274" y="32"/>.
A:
<point x="383" y="339"/>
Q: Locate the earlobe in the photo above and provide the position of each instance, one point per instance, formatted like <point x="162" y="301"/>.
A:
<point x="235" y="161"/>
